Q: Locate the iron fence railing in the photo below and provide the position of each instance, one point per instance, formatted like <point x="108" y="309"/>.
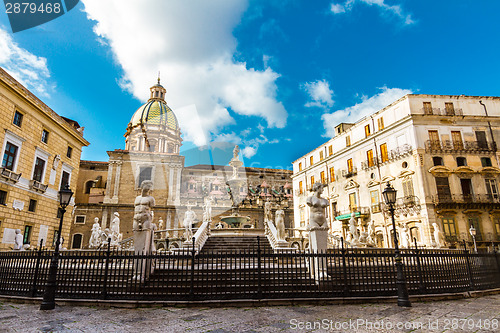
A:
<point x="257" y="274"/>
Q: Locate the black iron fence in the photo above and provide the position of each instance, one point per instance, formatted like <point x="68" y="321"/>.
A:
<point x="255" y="274"/>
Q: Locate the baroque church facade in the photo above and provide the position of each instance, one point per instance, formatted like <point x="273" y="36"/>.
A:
<point x="152" y="152"/>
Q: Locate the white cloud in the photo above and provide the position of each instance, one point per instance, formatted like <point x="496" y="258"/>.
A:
<point x="394" y="10"/>
<point x="30" y="70"/>
<point x="249" y="151"/>
<point x="367" y="106"/>
<point x="193" y="47"/>
<point x="320" y="94"/>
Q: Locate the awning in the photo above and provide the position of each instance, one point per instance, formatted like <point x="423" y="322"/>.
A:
<point x="347" y="216"/>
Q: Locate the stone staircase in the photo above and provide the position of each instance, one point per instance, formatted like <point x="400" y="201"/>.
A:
<point x="235" y="243"/>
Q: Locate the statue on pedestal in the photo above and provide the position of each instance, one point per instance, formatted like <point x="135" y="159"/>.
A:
<point x="207" y="209"/>
<point x="280" y="224"/>
<point x="318" y="231"/>
<point x="405" y="237"/>
<point x="143" y="219"/>
<point x="353" y="235"/>
<point x="95" y="237"/>
<point x="371" y="233"/>
<point x="438" y="236"/>
<point x="116" y="236"/>
<point x="188" y="222"/>
<point x="18" y="241"/>
<point x="268" y="216"/>
<point x="317" y="205"/>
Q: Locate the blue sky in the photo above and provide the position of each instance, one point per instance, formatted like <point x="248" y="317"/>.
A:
<point x="272" y="76"/>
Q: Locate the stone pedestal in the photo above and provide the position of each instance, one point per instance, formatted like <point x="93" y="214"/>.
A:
<point x="143" y="245"/>
<point x="318" y="241"/>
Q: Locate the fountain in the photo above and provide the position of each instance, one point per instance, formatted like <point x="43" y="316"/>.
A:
<point x="235" y="220"/>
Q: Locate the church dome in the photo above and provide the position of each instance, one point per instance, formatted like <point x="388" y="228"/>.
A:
<point x="155" y="112"/>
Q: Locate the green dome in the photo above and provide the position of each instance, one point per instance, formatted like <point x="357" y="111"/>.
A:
<point x="155" y="112"/>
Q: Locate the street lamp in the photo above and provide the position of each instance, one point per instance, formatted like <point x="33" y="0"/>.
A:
<point x="472" y="232"/>
<point x="49" y="302"/>
<point x="389" y="194"/>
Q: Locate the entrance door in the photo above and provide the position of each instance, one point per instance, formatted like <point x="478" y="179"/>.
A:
<point x="466" y="189"/>
<point x="443" y="189"/>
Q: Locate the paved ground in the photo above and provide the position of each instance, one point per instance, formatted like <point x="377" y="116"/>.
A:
<point x="467" y="315"/>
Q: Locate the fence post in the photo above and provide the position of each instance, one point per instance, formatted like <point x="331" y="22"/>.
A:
<point x="104" y="294"/>
<point x="193" y="253"/>
<point x="259" y="276"/>
<point x="469" y="271"/>
<point x="37" y="267"/>
<point x="344" y="268"/>
<point x="496" y="258"/>
<point x="421" y="286"/>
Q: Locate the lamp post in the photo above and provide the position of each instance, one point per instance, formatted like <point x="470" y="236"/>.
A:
<point x="389" y="194"/>
<point x="472" y="232"/>
<point x="49" y="302"/>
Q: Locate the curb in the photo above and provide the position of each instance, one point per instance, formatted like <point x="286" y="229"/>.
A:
<point x="250" y="302"/>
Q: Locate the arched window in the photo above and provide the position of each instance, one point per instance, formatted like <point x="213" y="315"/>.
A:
<point x="88" y="186"/>
<point x="77" y="241"/>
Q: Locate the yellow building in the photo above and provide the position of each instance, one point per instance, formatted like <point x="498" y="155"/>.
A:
<point x="40" y="153"/>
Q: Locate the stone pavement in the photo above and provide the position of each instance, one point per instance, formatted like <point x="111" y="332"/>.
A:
<point x="465" y="315"/>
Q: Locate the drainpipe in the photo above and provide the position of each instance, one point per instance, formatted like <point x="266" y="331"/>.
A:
<point x="491" y="132"/>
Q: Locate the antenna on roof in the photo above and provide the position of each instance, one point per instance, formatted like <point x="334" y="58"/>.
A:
<point x="158" y="77"/>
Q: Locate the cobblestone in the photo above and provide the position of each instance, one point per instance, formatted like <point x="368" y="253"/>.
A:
<point x="465" y="315"/>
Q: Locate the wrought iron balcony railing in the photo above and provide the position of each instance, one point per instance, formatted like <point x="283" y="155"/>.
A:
<point x="392" y="155"/>
<point x="449" y="146"/>
<point x="466" y="198"/>
<point x="350" y="173"/>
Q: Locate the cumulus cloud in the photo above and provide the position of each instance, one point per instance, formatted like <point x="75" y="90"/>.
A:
<point x="319" y="93"/>
<point x="30" y="70"/>
<point x="193" y="47"/>
<point x="249" y="151"/>
<point x="394" y="10"/>
<point x="368" y="105"/>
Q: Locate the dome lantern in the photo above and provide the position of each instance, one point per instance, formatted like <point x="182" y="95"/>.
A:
<point x="157" y="91"/>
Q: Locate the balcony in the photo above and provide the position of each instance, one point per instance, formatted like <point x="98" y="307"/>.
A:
<point x="392" y="155"/>
<point x="357" y="211"/>
<point x="10" y="175"/>
<point x="466" y="200"/>
<point x="442" y="112"/>
<point x="37" y="186"/>
<point x="408" y="205"/>
<point x="350" y="173"/>
<point x="448" y="146"/>
<point x="376" y="208"/>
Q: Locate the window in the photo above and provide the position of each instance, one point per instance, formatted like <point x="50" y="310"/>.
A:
<point x="485" y="161"/>
<point x="77" y="241"/>
<point x="434" y="139"/>
<point x="491" y="188"/>
<point x="461" y="161"/>
<point x="64" y="180"/>
<point x="9" y="156"/>
<point x="312" y="180"/>
<point x="334" y="209"/>
<point x="18" y="118"/>
<point x="332" y="174"/>
<point x="88" y="186"/>
<point x="302" y="216"/>
<point x="144" y="174"/>
<point x="300" y="166"/>
<point x="380" y="123"/>
<point x="437" y="160"/>
<point x="32" y="205"/>
<point x="80" y="219"/>
<point x="311" y="160"/>
<point x="408" y="188"/>
<point x="347" y="141"/>
<point x="427" y="108"/>
<point x="449" y="109"/>
<point x="369" y="157"/>
<point x="45" y="136"/>
<point x="330" y="150"/>
<point x="39" y="169"/>
<point x="367" y="131"/>
<point x="474" y="221"/>
<point x="384" y="156"/>
<point x="374" y="201"/>
<point x="466" y="185"/>
<point x="456" y="138"/>
<point x="27" y="234"/>
<point x="69" y="152"/>
<point x="3" y="197"/>
<point x="322" y="176"/>
<point x="349" y="166"/>
<point x="300" y="188"/>
<point x="443" y="188"/>
<point x="481" y="139"/>
<point x="321" y="156"/>
<point x="449" y="226"/>
<point x="353" y="206"/>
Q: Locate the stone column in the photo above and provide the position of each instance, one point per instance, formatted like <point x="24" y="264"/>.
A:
<point x="170" y="183"/>
<point x="318" y="242"/>
<point x="178" y="187"/>
<point x="117" y="180"/>
<point x="108" y="182"/>
<point x="104" y="219"/>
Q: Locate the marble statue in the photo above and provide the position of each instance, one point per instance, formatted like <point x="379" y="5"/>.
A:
<point x="207" y="209"/>
<point x="236" y="152"/>
<point x="143" y="219"/>
<point x="55" y="162"/>
<point x="95" y="237"/>
<point x="317" y="206"/>
<point x="438" y="236"/>
<point x="161" y="227"/>
<point x="405" y="237"/>
<point x="116" y="236"/>
<point x="280" y="224"/>
<point x="267" y="211"/>
<point x="18" y="241"/>
<point x="371" y="233"/>
<point x="353" y="235"/>
<point x="188" y="222"/>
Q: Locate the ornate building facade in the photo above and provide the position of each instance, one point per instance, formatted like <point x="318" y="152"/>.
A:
<point x="152" y="152"/>
<point x="439" y="152"/>
<point x="40" y="155"/>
